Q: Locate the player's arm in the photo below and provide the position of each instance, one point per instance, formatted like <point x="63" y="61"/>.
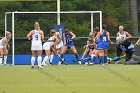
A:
<point x="138" y="42"/>
<point x="128" y="35"/>
<point x="64" y="38"/>
<point x="108" y="36"/>
<point x="117" y="34"/>
<point x="97" y="36"/>
<point x="29" y="35"/>
<point x="85" y="52"/>
<point x="57" y="40"/>
<point x="73" y="35"/>
<point x="8" y="35"/>
<point x="5" y="42"/>
<point x="42" y="36"/>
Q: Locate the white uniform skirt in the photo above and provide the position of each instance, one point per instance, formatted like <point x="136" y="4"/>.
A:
<point x="47" y="45"/>
<point x="36" y="45"/>
<point x="59" y="45"/>
<point x="1" y="45"/>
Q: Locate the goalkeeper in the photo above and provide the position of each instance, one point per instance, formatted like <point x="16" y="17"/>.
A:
<point x="122" y="38"/>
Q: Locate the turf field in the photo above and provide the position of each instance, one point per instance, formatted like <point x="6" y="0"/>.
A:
<point x="70" y="79"/>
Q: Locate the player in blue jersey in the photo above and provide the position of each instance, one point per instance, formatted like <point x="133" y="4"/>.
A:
<point x="102" y="39"/>
<point x="90" y="48"/>
<point x="68" y="43"/>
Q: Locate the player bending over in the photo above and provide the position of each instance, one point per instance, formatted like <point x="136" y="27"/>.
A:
<point x="48" y="46"/>
<point x="102" y="43"/>
<point x="37" y="37"/>
<point x="90" y="48"/>
<point x="5" y="52"/>
<point x="3" y="48"/>
<point x="68" y="43"/>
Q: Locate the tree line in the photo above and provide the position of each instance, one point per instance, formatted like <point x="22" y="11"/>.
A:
<point x="115" y="13"/>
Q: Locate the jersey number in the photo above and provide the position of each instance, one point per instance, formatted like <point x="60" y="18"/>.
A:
<point x="69" y="40"/>
<point x="104" y="39"/>
<point x="36" y="37"/>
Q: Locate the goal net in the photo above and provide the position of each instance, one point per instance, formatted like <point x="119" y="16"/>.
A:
<point x="21" y="23"/>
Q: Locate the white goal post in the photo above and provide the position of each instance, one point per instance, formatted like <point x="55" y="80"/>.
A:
<point x="58" y="22"/>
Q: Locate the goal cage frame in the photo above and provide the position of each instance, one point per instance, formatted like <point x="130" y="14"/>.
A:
<point x="58" y="22"/>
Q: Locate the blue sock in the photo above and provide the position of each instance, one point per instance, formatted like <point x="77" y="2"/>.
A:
<point x="76" y="55"/>
<point x="102" y="59"/>
<point x="61" y="55"/>
<point x="105" y="59"/>
<point x="93" y="59"/>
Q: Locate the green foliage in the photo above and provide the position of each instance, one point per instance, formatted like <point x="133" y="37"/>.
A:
<point x="115" y="12"/>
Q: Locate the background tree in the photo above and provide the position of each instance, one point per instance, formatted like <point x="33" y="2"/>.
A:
<point x="134" y="17"/>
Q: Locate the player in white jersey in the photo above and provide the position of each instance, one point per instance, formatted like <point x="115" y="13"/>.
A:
<point x="8" y="36"/>
<point x="3" y="47"/>
<point x="47" y="47"/>
<point x="37" y="37"/>
<point x="58" y="45"/>
<point x="123" y="44"/>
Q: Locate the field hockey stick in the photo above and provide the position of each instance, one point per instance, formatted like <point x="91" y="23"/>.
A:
<point x="59" y="56"/>
<point x="81" y="59"/>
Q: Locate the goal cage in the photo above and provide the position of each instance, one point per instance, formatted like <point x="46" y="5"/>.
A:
<point x="11" y="22"/>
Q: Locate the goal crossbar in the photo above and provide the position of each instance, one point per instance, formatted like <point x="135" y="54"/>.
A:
<point x="54" y="12"/>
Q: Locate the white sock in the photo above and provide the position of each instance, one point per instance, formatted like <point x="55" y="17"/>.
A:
<point x="51" y="57"/>
<point x="0" y="59"/>
<point x="5" y="59"/>
<point x="39" y="60"/>
<point x="32" y="61"/>
<point x="45" y="59"/>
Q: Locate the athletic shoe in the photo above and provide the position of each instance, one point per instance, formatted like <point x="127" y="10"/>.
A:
<point x="116" y="62"/>
<point x="86" y="63"/>
<point x="103" y="65"/>
<point x="40" y="67"/>
<point x="91" y="63"/>
<point x="47" y="64"/>
<point x="79" y="62"/>
<point x="59" y="63"/>
<point x="43" y="64"/>
<point x="32" y="67"/>
<point x="50" y="63"/>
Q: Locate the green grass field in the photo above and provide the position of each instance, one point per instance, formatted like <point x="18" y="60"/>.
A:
<point x="70" y="79"/>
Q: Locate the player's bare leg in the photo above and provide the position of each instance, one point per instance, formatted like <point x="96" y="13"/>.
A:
<point x="63" y="51"/>
<point x="73" y="49"/>
<point x="47" y="52"/>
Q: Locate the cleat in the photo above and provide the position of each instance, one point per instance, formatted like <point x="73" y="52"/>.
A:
<point x="91" y="63"/>
<point x="64" y="63"/>
<point x="40" y="67"/>
<point x="32" y="67"/>
<point x="79" y="62"/>
<point x="44" y="64"/>
<point x="86" y="63"/>
<point x="116" y="62"/>
<point x="103" y="65"/>
<point x="59" y="63"/>
<point x="50" y="63"/>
